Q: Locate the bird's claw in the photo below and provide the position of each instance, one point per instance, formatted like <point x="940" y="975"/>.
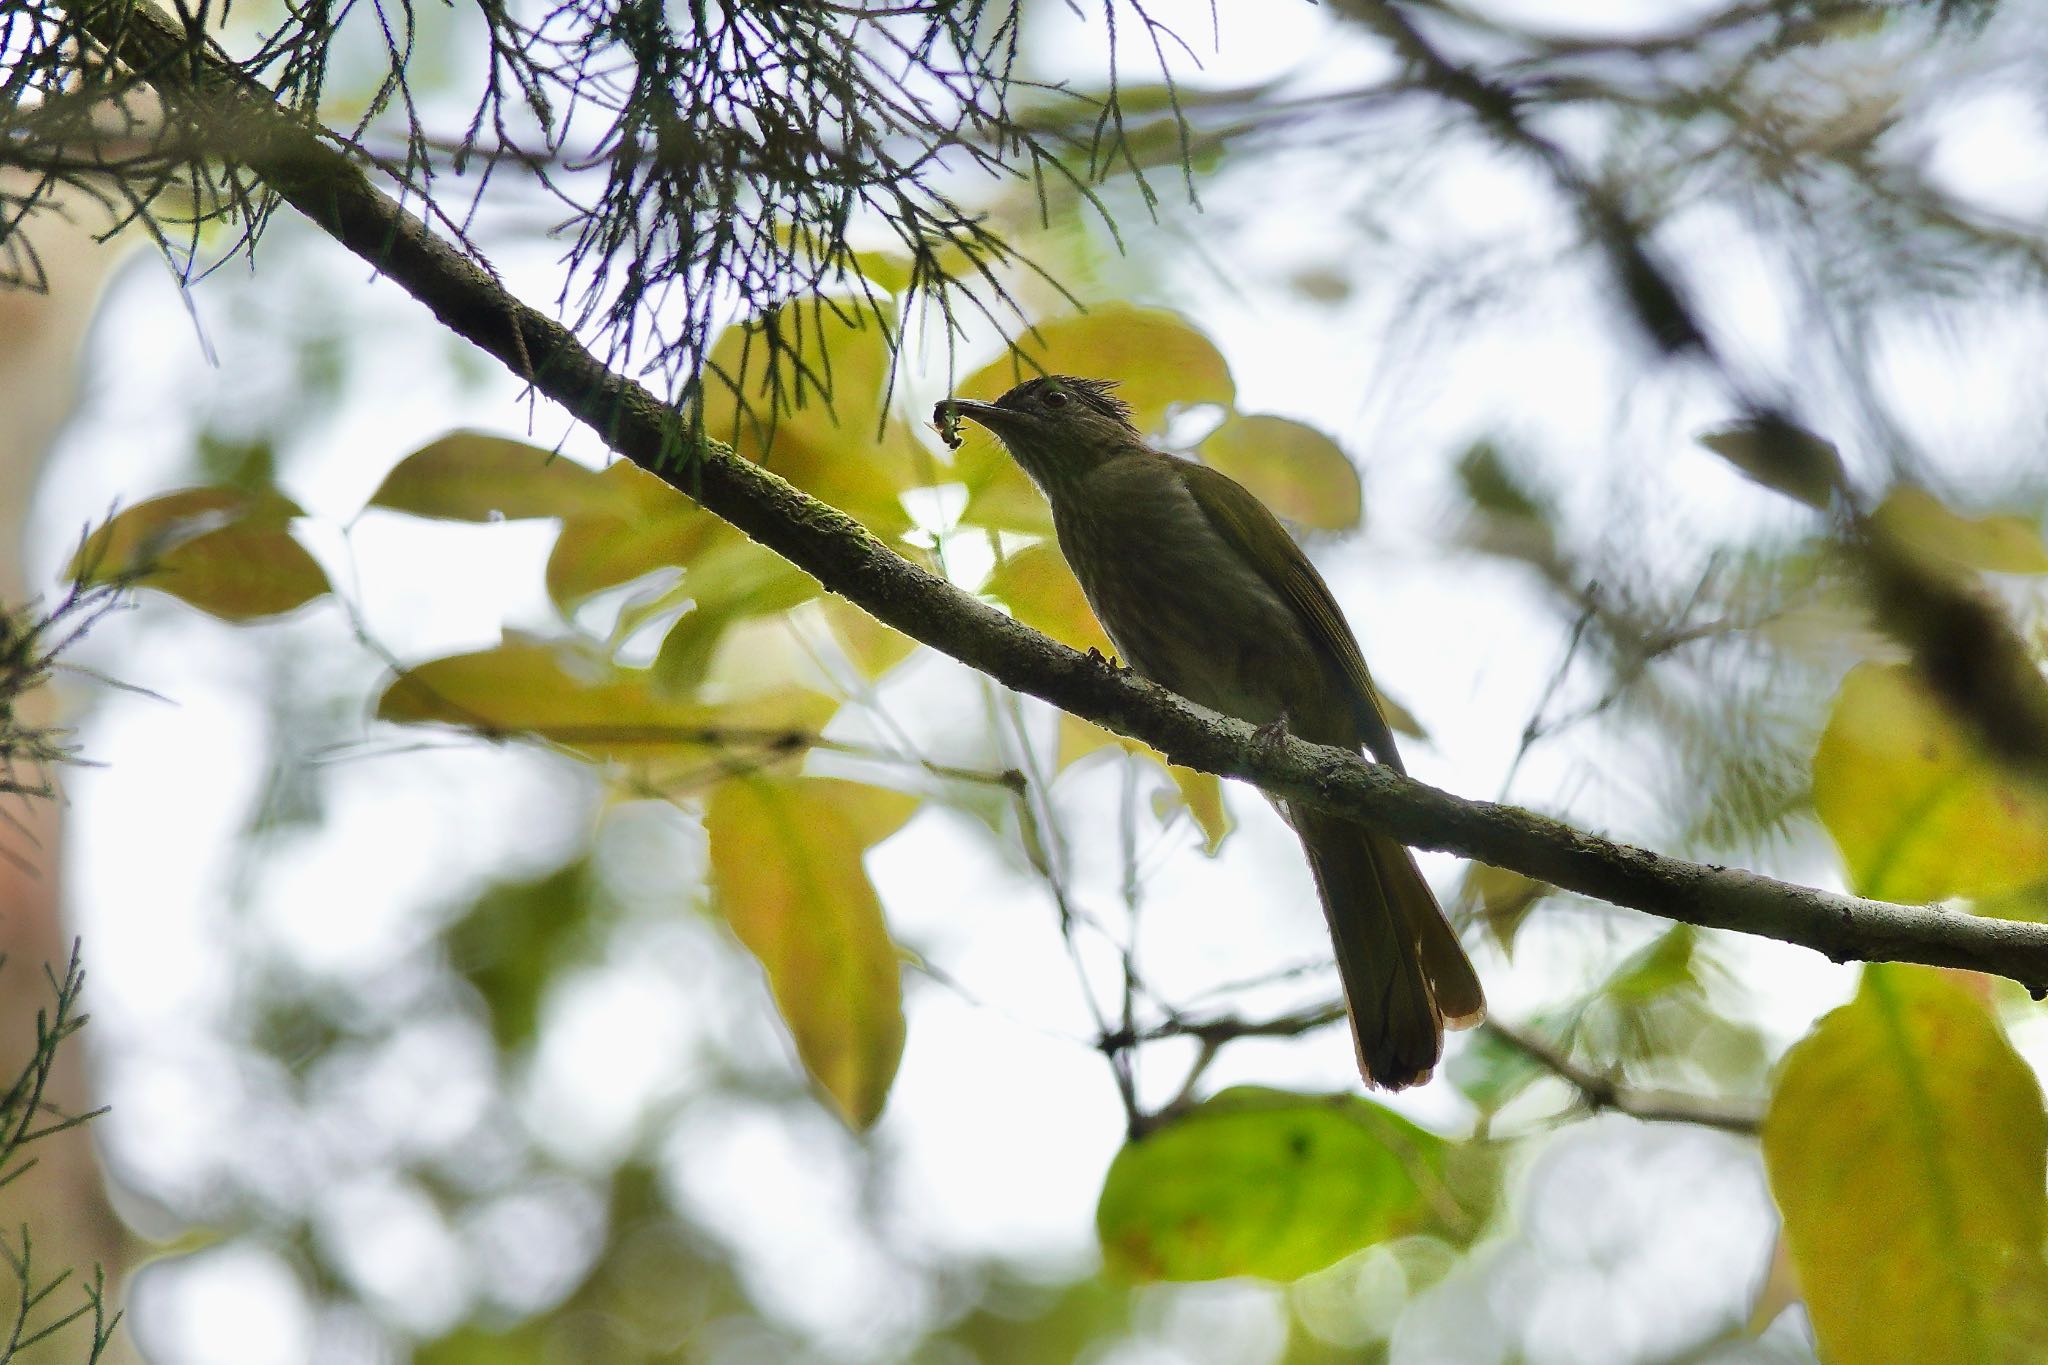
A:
<point x="1117" y="666"/>
<point x="1272" y="736"/>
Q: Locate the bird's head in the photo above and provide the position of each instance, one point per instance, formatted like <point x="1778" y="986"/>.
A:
<point x="1057" y="427"/>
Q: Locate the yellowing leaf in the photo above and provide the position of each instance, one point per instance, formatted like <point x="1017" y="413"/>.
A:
<point x="1041" y="591"/>
<point x="1291" y="467"/>
<point x="657" y="527"/>
<point x="1921" y="523"/>
<point x="475" y="476"/>
<point x="1904" y="1145"/>
<point x="872" y="647"/>
<point x="1202" y="795"/>
<point x="1270" y="1183"/>
<point x="786" y="863"/>
<point x="814" y="412"/>
<point x="1916" y="808"/>
<point x="577" y="698"/>
<point x="227" y="551"/>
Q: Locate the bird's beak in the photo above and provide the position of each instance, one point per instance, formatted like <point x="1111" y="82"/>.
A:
<point x="986" y="414"/>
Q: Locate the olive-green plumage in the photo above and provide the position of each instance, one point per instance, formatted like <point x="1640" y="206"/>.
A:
<point x="1203" y="591"/>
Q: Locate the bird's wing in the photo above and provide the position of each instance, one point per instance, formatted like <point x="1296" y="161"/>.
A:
<point x="1245" y="522"/>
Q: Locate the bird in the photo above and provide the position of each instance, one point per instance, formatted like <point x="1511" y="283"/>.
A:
<point x="1203" y="591"/>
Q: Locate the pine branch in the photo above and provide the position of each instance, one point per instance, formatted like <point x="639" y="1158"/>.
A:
<point x="321" y="182"/>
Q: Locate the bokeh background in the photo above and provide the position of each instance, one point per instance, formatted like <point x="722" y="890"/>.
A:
<point x="418" y="1046"/>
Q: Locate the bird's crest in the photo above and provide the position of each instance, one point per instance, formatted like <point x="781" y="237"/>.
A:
<point x="1099" y="394"/>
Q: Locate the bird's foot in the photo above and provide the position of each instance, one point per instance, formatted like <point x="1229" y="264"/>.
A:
<point x="1114" y="665"/>
<point x="1272" y="736"/>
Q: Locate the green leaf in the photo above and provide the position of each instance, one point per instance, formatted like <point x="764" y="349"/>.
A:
<point x="516" y="938"/>
<point x="1297" y="471"/>
<point x="475" y="476"/>
<point x="1783" y="457"/>
<point x="786" y="862"/>
<point x="732" y="580"/>
<point x="1918" y="810"/>
<point x="1904" y="1145"/>
<point x="1915" y="520"/>
<point x="1491" y="1071"/>
<point x="573" y="695"/>
<point x="1274" y="1184"/>
<point x="227" y="551"/>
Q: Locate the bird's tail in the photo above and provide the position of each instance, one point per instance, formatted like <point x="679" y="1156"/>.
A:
<point x="1406" y="977"/>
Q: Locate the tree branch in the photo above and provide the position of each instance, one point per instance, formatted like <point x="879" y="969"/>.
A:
<point x="1651" y="1106"/>
<point x="322" y="183"/>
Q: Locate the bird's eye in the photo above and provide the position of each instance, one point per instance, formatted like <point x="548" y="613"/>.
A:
<point x="1055" y="399"/>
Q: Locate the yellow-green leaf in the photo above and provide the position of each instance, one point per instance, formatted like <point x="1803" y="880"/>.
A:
<point x="1041" y="591"/>
<point x="786" y="861"/>
<point x="1904" y="1145"/>
<point x="227" y="551"/>
<point x="730" y="581"/>
<point x="1291" y="467"/>
<point x="574" y="696"/>
<point x="1781" y="456"/>
<point x="1502" y="899"/>
<point x="475" y="476"/>
<point x="657" y="527"/>
<point x="1919" y="812"/>
<point x="1270" y="1183"/>
<point x="1921" y="523"/>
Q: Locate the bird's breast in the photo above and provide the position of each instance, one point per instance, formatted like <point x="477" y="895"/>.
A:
<point x="1183" y="607"/>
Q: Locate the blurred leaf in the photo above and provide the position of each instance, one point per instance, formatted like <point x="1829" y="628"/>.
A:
<point x="573" y="695"/>
<point x="1919" y="812"/>
<point x="872" y="647"/>
<point x="1271" y="1183"/>
<point x="1079" y="738"/>
<point x="1779" y="1291"/>
<point x="1041" y="591"/>
<point x="888" y="271"/>
<point x="227" y="551"/>
<point x="513" y="941"/>
<point x="474" y="476"/>
<point x="658" y="528"/>
<point x="1783" y="457"/>
<point x="786" y="860"/>
<point x="1904" y="1145"/>
<point x="731" y="580"/>
<point x="1501" y="899"/>
<point x="1491" y="1071"/>
<point x="1915" y="520"/>
<point x="1492" y="487"/>
<point x="1667" y="963"/>
<point x="1399" y="718"/>
<point x="804" y="393"/>
<point x="1297" y="471"/>
<point x="1202" y="794"/>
